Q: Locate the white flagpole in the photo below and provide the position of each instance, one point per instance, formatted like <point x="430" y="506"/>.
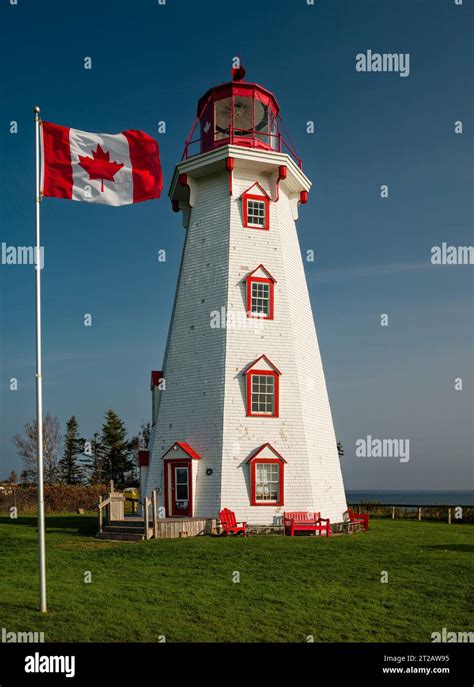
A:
<point x="39" y="380"/>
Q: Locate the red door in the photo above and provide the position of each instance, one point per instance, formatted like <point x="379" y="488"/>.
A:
<point x="180" y="488"/>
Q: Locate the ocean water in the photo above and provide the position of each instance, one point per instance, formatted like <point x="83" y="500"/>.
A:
<point x="418" y="498"/>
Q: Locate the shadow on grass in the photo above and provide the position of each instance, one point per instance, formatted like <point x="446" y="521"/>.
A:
<point x="463" y="548"/>
<point x="17" y="609"/>
<point x="81" y="525"/>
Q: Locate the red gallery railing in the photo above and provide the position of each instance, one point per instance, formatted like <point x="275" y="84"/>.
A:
<point x="270" y="139"/>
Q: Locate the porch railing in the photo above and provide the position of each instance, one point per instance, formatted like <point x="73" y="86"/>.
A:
<point x="147" y="502"/>
<point x="104" y="503"/>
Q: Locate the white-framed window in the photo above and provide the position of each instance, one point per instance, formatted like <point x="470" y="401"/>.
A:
<point x="260" y="298"/>
<point x="262" y="385"/>
<point x="256" y="208"/>
<point x="263" y="394"/>
<point x="256" y="213"/>
<point x="182" y="483"/>
<point x="267" y="477"/>
<point x="260" y="288"/>
<point x="267" y="481"/>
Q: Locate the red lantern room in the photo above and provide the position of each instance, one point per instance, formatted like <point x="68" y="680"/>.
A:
<point x="237" y="113"/>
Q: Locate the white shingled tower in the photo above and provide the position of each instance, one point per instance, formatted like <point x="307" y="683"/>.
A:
<point x="241" y="417"/>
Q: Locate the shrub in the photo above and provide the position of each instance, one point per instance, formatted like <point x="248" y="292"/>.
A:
<point x="58" y="498"/>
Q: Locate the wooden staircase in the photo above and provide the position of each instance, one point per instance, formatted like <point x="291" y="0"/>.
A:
<point x="124" y="530"/>
<point x="114" y="525"/>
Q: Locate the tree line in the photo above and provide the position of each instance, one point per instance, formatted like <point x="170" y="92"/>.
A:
<point x="109" y="454"/>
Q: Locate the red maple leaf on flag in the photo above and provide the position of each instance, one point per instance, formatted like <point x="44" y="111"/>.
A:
<point x="99" y="166"/>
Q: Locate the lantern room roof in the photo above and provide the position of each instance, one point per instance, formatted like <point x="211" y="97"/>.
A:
<point x="236" y="87"/>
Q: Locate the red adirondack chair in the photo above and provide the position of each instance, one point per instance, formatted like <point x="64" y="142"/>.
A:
<point x="363" y="518"/>
<point x="230" y="524"/>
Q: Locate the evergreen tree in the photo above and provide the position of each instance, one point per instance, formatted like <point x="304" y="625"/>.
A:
<point x="13" y="477"/>
<point x="138" y="442"/>
<point x="144" y="435"/>
<point x="117" y="450"/>
<point x="93" y="460"/>
<point x="70" y="468"/>
<point x="24" y="476"/>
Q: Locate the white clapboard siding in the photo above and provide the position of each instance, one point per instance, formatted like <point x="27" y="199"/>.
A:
<point x="204" y="401"/>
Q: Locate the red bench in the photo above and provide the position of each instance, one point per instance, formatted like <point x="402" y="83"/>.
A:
<point x="297" y="521"/>
<point x="230" y="524"/>
<point x="363" y="518"/>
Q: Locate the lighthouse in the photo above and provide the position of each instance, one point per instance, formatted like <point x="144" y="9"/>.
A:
<point x="241" y="416"/>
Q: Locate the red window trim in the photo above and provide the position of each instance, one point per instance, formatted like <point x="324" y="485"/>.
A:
<point x="253" y="482"/>
<point x="250" y="196"/>
<point x="249" y="393"/>
<point x="271" y="283"/>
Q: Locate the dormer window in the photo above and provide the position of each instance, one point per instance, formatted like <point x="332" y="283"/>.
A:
<point x="256" y="208"/>
<point x="256" y="212"/>
<point x="260" y="298"/>
<point x="260" y="293"/>
<point x="267" y="469"/>
<point x="262" y="388"/>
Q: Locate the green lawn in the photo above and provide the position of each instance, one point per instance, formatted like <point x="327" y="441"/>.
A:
<point x="289" y="587"/>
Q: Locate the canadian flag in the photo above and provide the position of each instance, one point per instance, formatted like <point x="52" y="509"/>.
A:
<point x="113" y="169"/>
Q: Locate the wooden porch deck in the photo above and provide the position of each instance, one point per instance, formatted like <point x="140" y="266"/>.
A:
<point x="132" y="528"/>
<point x="115" y="525"/>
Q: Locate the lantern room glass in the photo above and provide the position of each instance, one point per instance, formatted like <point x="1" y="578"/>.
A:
<point x="246" y="121"/>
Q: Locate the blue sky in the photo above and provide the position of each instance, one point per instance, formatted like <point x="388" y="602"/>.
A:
<point x="152" y="63"/>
